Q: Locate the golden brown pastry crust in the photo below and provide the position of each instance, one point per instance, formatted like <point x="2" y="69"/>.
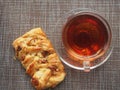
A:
<point x="39" y="58"/>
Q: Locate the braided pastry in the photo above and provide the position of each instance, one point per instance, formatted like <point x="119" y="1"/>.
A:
<point x="36" y="53"/>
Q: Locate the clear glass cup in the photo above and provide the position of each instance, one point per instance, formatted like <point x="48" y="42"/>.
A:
<point x="85" y="63"/>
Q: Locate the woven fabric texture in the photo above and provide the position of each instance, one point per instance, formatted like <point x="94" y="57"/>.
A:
<point x="19" y="16"/>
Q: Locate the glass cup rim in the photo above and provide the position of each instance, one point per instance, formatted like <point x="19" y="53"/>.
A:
<point x="104" y="21"/>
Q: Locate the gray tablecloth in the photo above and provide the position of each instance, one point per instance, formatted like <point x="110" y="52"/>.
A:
<point x="19" y="16"/>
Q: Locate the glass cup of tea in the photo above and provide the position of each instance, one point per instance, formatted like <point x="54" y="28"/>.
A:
<point x="84" y="39"/>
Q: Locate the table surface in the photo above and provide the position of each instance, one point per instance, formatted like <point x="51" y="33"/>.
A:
<point x="19" y="16"/>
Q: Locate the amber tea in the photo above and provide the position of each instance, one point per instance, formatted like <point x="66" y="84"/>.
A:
<point x="84" y="39"/>
<point x="84" y="35"/>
